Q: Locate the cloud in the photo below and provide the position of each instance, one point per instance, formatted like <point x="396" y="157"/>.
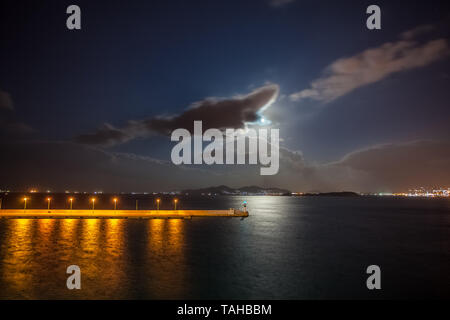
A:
<point x="373" y="65"/>
<point x="280" y="3"/>
<point x="217" y="113"/>
<point x="71" y="166"/>
<point x="17" y="129"/>
<point x="107" y="135"/>
<point x="418" y="31"/>
<point x="6" y="101"/>
<point x="76" y="167"/>
<point x="389" y="167"/>
<point x="10" y="127"/>
<point x="404" y="165"/>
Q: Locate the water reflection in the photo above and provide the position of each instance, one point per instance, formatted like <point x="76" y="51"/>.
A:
<point x="118" y="258"/>
<point x="67" y="231"/>
<point x="114" y="256"/>
<point x="114" y="237"/>
<point x="90" y="237"/>
<point x="289" y="248"/>
<point x="16" y="251"/>
<point x="156" y="235"/>
<point x="166" y="274"/>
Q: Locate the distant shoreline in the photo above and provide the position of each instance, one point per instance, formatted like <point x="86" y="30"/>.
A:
<point x="330" y="194"/>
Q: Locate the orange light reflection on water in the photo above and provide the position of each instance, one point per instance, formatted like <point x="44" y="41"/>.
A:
<point x="166" y="258"/>
<point x="115" y="256"/>
<point x="15" y="273"/>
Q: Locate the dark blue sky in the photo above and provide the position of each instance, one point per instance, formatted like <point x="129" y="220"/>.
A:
<point x="139" y="59"/>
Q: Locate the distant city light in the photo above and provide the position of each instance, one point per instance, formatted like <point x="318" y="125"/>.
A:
<point x="421" y="192"/>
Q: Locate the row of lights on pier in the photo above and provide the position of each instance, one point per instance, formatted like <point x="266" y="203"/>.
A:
<point x="93" y="200"/>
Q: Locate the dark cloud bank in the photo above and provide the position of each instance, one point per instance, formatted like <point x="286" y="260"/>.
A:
<point x="6" y="101"/>
<point x="214" y="112"/>
<point x="10" y="126"/>
<point x="61" y="166"/>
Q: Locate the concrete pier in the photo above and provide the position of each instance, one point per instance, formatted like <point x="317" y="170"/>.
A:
<point x="119" y="214"/>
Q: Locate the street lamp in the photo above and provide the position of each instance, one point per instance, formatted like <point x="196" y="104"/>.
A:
<point x="25" y="203"/>
<point x="48" y="203"/>
<point x="71" y="202"/>
<point x="93" y="204"/>
<point x="175" y="201"/>
<point x="157" y="203"/>
<point x="115" y="203"/>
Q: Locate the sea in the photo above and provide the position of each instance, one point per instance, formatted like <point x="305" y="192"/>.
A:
<point x="288" y="248"/>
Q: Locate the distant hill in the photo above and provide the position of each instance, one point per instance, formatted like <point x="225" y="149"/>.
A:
<point x="249" y="190"/>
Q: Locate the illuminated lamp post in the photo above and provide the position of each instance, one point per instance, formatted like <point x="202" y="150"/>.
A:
<point x="48" y="203"/>
<point x="71" y="203"/>
<point x="93" y="204"/>
<point x="175" y="202"/>
<point x="115" y="203"/>
<point x="157" y="203"/>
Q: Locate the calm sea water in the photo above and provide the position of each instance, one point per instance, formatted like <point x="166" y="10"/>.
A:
<point x="289" y="248"/>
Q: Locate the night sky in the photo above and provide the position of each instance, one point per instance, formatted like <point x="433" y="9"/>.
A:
<point x="92" y="109"/>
